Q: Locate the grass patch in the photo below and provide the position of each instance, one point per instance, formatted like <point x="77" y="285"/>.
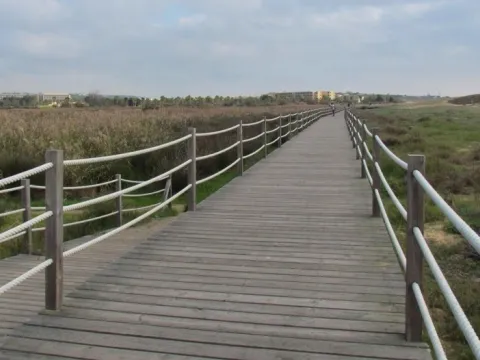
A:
<point x="449" y="137"/>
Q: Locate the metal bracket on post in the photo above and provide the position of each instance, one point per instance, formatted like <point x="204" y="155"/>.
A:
<point x="192" y="170"/>
<point x="240" y="148"/>
<point x="280" y="132"/>
<point x="414" y="271"/>
<point x="27" y="213"/>
<point x="119" y="200"/>
<point x="375" y="175"/>
<point x="265" y="136"/>
<point x="363" y="157"/>
<point x="54" y="230"/>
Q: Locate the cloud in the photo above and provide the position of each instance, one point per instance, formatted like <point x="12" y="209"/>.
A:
<point x="193" y="20"/>
<point x="166" y="47"/>
<point x="47" y="45"/>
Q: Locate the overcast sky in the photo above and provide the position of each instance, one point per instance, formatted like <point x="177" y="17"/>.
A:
<point x="240" y="47"/>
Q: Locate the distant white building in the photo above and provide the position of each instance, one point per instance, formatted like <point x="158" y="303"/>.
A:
<point x="58" y="97"/>
<point x="16" y="95"/>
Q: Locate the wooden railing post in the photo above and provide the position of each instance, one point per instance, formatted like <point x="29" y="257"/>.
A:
<point x="167" y="191"/>
<point x="289" y="126"/>
<point x="265" y="136"/>
<point x="240" y="148"/>
<point x="375" y="176"/>
<point x="352" y="129"/>
<point x="414" y="271"/>
<point x="54" y="230"/>
<point x="280" y="132"/>
<point x="363" y="156"/>
<point x="119" y="200"/>
<point x="192" y="170"/>
<point x="27" y="213"/>
<point x="357" y="137"/>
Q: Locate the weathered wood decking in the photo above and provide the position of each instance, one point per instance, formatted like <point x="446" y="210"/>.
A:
<point x="283" y="263"/>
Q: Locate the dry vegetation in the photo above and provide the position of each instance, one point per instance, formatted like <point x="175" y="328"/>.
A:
<point x="26" y="134"/>
<point x="449" y="137"/>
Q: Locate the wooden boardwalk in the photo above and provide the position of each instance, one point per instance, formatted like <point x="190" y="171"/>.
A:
<point x="282" y="263"/>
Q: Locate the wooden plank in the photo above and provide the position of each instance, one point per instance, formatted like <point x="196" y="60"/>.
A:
<point x="92" y="299"/>
<point x="189" y="348"/>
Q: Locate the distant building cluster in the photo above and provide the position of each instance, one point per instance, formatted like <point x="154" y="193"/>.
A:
<point x="308" y="95"/>
<point x="40" y="97"/>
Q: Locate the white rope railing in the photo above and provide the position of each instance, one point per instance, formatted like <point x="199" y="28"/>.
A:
<point x="390" y="192"/>
<point x="25" y="174"/>
<point x="116" y="194"/>
<point x="273" y="119"/>
<point x="19" y="279"/>
<point x="126" y="225"/>
<point x="208" y="178"/>
<point x="209" y="156"/>
<point x="12" y="212"/>
<point x="253" y="123"/>
<point x="145" y="194"/>
<point x="139" y="181"/>
<point x="254" y="153"/>
<point x="367" y="172"/>
<point x="13" y="237"/>
<point x="79" y="187"/>
<point x="468" y="233"/>
<point x="273" y="130"/>
<point x="223" y="131"/>
<point x="254" y="137"/>
<point x="9" y="190"/>
<point x="125" y="155"/>
<point x="79" y="222"/>
<point x="139" y="208"/>
<point x="24" y="226"/>
<point x="429" y="326"/>
<point x="367" y="152"/>
<point x="452" y="301"/>
<point x="391" y="155"/>
<point x="274" y="141"/>
<point x="391" y="232"/>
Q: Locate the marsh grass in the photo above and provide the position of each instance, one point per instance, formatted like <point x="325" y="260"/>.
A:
<point x="449" y="137"/>
<point x="26" y="134"/>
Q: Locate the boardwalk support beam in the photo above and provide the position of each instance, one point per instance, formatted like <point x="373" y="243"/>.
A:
<point x="414" y="271"/>
<point x="192" y="170"/>
<point x="54" y="230"/>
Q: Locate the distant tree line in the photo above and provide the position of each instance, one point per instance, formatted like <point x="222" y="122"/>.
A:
<point x="27" y="101"/>
<point x="189" y="101"/>
<point x="97" y="100"/>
